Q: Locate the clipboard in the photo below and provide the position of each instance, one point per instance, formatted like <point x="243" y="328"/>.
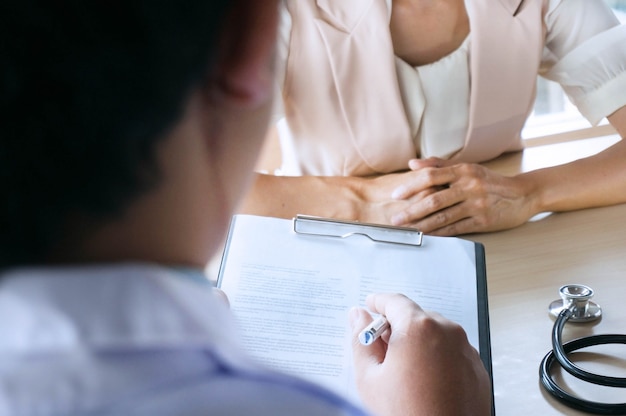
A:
<point x="325" y="227"/>
<point x="271" y="263"/>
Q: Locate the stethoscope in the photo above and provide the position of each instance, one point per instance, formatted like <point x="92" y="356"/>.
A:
<point x="575" y="305"/>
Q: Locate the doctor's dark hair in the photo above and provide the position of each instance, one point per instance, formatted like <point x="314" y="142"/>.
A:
<point x="87" y="89"/>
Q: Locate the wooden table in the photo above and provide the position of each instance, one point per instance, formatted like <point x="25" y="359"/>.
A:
<point x="525" y="268"/>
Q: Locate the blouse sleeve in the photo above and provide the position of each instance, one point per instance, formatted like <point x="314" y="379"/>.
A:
<point x="585" y="54"/>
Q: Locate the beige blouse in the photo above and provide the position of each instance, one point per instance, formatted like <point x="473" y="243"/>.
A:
<point x="434" y="98"/>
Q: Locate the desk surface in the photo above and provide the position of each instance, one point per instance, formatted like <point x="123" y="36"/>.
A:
<point x="525" y="268"/>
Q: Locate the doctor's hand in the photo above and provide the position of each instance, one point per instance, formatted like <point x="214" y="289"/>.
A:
<point x="222" y="296"/>
<point x="422" y="365"/>
<point x="468" y="198"/>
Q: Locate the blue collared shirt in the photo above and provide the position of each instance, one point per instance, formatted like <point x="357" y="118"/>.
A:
<point x="132" y="340"/>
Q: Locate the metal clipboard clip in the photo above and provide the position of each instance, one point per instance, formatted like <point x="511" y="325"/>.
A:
<point x="305" y="224"/>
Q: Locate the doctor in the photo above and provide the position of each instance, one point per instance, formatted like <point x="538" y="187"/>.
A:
<point x="128" y="132"/>
<point x="372" y="88"/>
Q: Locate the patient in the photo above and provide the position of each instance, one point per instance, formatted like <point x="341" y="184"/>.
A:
<point x="372" y="88"/>
<point x="128" y="134"/>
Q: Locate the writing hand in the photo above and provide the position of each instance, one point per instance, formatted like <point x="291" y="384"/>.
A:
<point x="221" y="295"/>
<point x="422" y="365"/>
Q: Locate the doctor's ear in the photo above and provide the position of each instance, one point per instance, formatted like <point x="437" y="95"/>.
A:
<point x="245" y="68"/>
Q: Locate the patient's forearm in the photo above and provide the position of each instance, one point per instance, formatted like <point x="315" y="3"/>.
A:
<point x="350" y="198"/>
<point x="286" y="196"/>
<point x="589" y="182"/>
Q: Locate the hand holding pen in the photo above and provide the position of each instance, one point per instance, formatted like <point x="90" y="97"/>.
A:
<point x="423" y="364"/>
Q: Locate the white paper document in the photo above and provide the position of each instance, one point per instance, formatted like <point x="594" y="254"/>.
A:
<point x="291" y="292"/>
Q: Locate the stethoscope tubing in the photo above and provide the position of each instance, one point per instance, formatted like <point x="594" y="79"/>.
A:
<point x="559" y="354"/>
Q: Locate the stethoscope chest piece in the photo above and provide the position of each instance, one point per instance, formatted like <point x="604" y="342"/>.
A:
<point x="576" y="298"/>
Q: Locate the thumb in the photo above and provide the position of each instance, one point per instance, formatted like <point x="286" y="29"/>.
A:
<point x="432" y="162"/>
<point x="364" y="355"/>
<point x="221" y="295"/>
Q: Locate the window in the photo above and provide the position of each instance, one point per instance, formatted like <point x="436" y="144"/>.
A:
<point x="554" y="114"/>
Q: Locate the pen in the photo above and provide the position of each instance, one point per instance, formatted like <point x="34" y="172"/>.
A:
<point x="370" y="333"/>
